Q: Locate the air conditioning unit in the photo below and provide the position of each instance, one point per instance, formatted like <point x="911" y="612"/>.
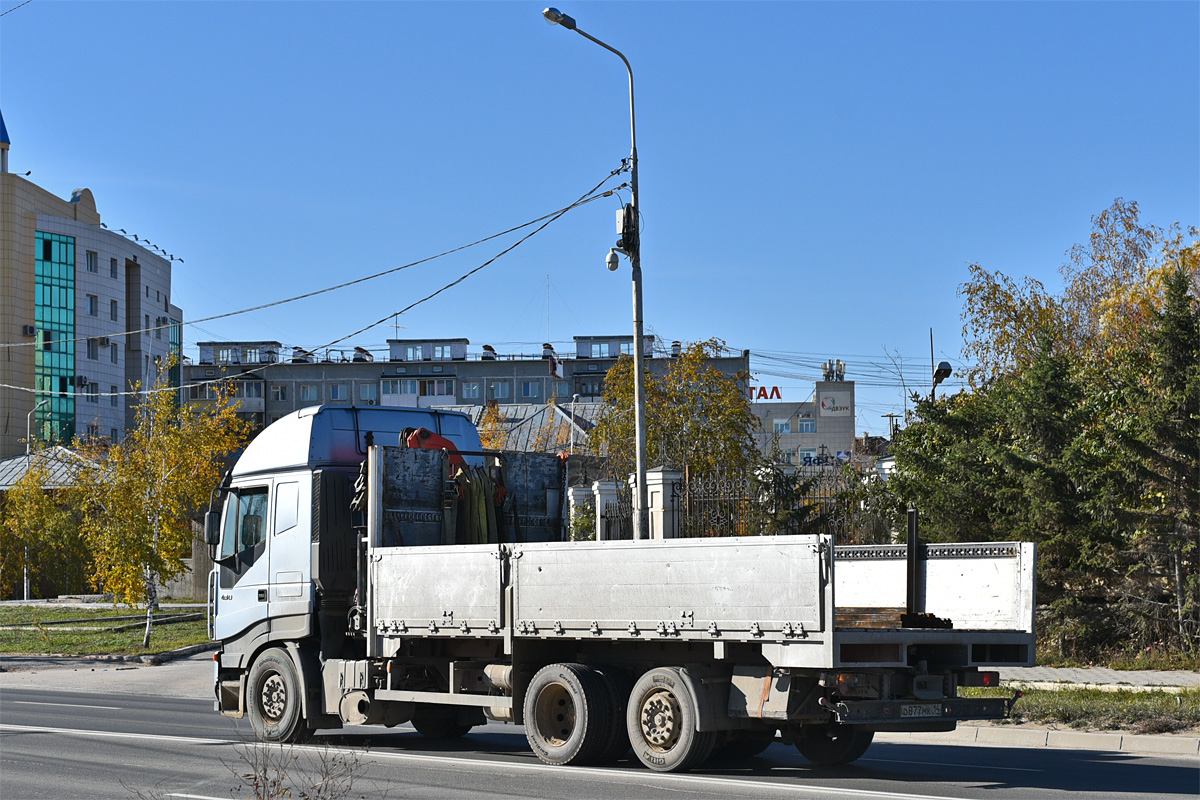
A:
<point x="81" y="380"/>
<point x="104" y="341"/>
<point x="29" y="330"/>
<point x="372" y="402"/>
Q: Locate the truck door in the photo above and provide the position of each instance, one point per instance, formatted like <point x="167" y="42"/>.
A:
<point x="244" y="572"/>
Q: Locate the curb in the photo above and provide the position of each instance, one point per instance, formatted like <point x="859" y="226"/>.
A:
<point x="1065" y="740"/>
<point x="1055" y="686"/>
<point x="153" y="658"/>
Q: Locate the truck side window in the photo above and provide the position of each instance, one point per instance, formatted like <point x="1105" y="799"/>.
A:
<point x="287" y="506"/>
<point x="245" y="521"/>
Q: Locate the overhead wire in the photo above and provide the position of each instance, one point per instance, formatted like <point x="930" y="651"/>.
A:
<point x="547" y="219"/>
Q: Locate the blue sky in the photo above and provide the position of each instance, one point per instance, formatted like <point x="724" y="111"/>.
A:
<point x="815" y="177"/>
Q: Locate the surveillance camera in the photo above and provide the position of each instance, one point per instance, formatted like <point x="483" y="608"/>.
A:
<point x="613" y="261"/>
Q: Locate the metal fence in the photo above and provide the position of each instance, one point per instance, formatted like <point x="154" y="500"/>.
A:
<point x="616" y="519"/>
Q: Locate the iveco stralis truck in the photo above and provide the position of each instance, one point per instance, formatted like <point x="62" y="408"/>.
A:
<point x="362" y="580"/>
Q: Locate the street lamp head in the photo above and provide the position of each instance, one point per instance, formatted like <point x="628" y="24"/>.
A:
<point x="555" y="17"/>
<point x="942" y="372"/>
<point x="613" y="261"/>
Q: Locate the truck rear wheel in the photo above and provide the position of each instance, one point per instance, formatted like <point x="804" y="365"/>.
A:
<point x="833" y="744"/>
<point x="439" y="722"/>
<point x="273" y="701"/>
<point x="661" y="720"/>
<point x="744" y="744"/>
<point x="616" y="738"/>
<point x="566" y="714"/>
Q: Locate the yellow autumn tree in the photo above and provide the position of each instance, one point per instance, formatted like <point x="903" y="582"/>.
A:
<point x="492" y="432"/>
<point x="137" y="502"/>
<point x="696" y="416"/>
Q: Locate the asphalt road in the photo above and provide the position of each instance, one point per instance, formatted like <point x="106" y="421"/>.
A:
<point x="101" y="745"/>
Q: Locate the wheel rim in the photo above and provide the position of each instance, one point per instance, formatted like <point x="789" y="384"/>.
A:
<point x="660" y="715"/>
<point x="274" y="697"/>
<point x="554" y="715"/>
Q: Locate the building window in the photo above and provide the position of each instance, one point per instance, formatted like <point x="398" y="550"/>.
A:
<point x="441" y="352"/>
<point x="113" y="433"/>
<point x="470" y="390"/>
<point x="560" y="389"/>
<point x="807" y="456"/>
<point x="412" y="352"/>
<point x="806" y="426"/>
<point x="112" y="310"/>
<point x="599" y="349"/>
<point x="368" y="392"/>
<point x="250" y="356"/>
<point x="529" y="389"/>
<point x="279" y="392"/>
<point x="783" y="426"/>
<point x="93" y="393"/>
<point x="158" y="323"/>
<point x="93" y="261"/>
<point x="112" y="354"/>
<point x="627" y="348"/>
<point x="93" y="349"/>
<point x="410" y="387"/>
<point x="146" y="327"/>
<point x="308" y="394"/>
<point x="93" y="305"/>
<point x="500" y="391"/>
<point x="252" y="389"/>
<point x="92" y="431"/>
<point x="338" y="392"/>
<point x="112" y="269"/>
<point x="113" y="399"/>
<point x="783" y="457"/>
<point x="223" y="354"/>
<point x="147" y="291"/>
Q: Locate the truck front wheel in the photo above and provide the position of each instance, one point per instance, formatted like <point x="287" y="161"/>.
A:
<point x="273" y="702"/>
<point x="661" y="720"/>
<point x="833" y="744"/>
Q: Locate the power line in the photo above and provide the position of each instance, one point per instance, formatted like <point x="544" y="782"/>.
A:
<point x="586" y="198"/>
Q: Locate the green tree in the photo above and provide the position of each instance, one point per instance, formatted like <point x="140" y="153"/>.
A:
<point x="40" y="530"/>
<point x="696" y="416"/>
<point x="137" y="503"/>
<point x="1156" y="430"/>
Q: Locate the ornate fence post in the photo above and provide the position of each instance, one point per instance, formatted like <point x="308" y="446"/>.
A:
<point x="606" y="494"/>
<point x="663" y="493"/>
<point x="579" y="503"/>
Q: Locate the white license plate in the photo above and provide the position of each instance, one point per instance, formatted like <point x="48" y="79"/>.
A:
<point x="921" y="710"/>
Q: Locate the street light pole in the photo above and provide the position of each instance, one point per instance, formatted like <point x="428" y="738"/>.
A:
<point x="28" y="440"/>
<point x="634" y="251"/>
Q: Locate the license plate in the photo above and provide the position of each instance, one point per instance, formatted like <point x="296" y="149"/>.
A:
<point x="921" y="710"/>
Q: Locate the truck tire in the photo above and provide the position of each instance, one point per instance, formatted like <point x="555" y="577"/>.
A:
<point x="439" y="722"/>
<point x="616" y="739"/>
<point x="566" y="714"/>
<point x="744" y="744"/>
<point x="661" y="721"/>
<point x="273" y="699"/>
<point x="833" y="744"/>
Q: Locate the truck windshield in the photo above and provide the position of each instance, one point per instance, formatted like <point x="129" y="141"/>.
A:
<point x="245" y="521"/>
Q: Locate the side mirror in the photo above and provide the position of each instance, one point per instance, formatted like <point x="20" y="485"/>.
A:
<point x="212" y="528"/>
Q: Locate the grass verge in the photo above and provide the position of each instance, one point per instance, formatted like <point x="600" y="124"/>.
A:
<point x="1094" y="709"/>
<point x="88" y="636"/>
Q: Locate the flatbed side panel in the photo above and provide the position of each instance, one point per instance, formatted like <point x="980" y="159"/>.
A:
<point x="987" y="586"/>
<point x="436" y="591"/>
<point x="741" y="589"/>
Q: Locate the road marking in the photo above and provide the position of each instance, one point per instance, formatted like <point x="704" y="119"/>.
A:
<point x="108" y="734"/>
<point x="65" y="705"/>
<point x="948" y="764"/>
<point x="614" y="775"/>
